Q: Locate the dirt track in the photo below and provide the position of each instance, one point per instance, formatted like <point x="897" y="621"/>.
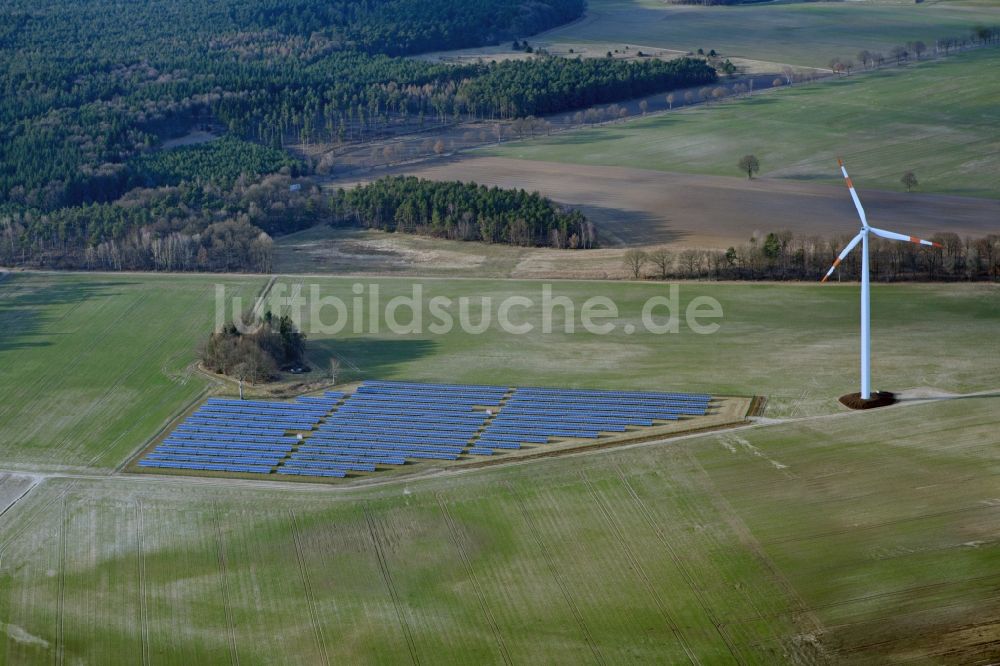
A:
<point x="641" y="207"/>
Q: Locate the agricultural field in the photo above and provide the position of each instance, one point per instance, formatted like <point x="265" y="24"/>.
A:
<point x="857" y="538"/>
<point x="936" y="119"/>
<point x="93" y="365"/>
<point x="704" y="548"/>
<point x="635" y="206"/>
<point x="101" y="402"/>
<point x="800" y="34"/>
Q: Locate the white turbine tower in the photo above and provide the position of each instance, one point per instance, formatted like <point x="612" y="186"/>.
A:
<point x="862" y="237"/>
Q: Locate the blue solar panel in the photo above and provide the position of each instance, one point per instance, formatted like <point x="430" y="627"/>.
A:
<point x="307" y="464"/>
<point x="495" y="444"/>
<point x="305" y="472"/>
<point x="374" y="444"/>
<point x="257" y="469"/>
<point x="373" y="459"/>
<point x="395" y="451"/>
<point x="418" y="385"/>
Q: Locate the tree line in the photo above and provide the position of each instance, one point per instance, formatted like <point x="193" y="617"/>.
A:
<point x="901" y="53"/>
<point x="464" y="211"/>
<point x="783" y="256"/>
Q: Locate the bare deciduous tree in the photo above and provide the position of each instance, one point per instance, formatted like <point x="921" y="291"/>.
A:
<point x="663" y="260"/>
<point x="634" y="261"/>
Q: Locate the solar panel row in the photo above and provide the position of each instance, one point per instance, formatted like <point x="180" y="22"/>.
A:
<point x="383" y="444"/>
<point x="209" y="467"/>
<point x="307" y="472"/>
<point x="535" y="390"/>
<point x="388" y="450"/>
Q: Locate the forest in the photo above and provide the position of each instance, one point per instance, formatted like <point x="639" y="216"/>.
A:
<point x="88" y="89"/>
<point x="519" y="88"/>
<point x="465" y="211"/>
<point x="194" y="226"/>
<point x="199" y="225"/>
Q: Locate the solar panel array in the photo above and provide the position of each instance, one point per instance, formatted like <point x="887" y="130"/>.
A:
<point x="390" y="423"/>
<point x="250" y="436"/>
<point x="533" y="415"/>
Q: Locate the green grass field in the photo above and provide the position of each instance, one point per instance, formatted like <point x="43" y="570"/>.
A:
<point x="94" y="365"/>
<point x="936" y="119"/>
<point x="859" y="538"/>
<point x="830" y="536"/>
<point x="797" y="33"/>
<point x="97" y="364"/>
<point x="809" y="332"/>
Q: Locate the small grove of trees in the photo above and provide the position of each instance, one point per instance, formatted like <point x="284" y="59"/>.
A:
<point x="464" y="211"/>
<point x="254" y="349"/>
<point x="749" y="164"/>
<point x="782" y="256"/>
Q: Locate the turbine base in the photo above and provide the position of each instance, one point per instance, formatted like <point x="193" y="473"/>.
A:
<point x="878" y="399"/>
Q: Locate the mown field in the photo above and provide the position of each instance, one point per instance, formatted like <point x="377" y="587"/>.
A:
<point x="796" y="33"/>
<point x="94" y="365"/>
<point x="936" y="119"/>
<point x="857" y="538"/>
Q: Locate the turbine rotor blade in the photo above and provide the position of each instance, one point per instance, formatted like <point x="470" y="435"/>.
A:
<point x="846" y="251"/>
<point x="854" y="194"/>
<point x="892" y="235"/>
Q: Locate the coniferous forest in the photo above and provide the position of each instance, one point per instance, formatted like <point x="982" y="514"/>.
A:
<point x="465" y="211"/>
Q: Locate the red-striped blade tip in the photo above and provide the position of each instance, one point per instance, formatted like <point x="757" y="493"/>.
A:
<point x="840" y="162"/>
<point x="937" y="244"/>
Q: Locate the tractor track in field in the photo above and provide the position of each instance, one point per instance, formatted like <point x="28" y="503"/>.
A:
<point x="554" y="572"/>
<point x="17" y="499"/>
<point x="220" y="552"/>
<point x="120" y="379"/>
<point x="456" y="537"/>
<point x="378" y="537"/>
<point x="61" y="599"/>
<point x="636" y="564"/>
<point x="307" y="587"/>
<point x="30" y="520"/>
<point x="140" y="543"/>
<point x="650" y="520"/>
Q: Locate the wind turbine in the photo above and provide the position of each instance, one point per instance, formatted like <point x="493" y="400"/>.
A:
<point x="862" y="237"/>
